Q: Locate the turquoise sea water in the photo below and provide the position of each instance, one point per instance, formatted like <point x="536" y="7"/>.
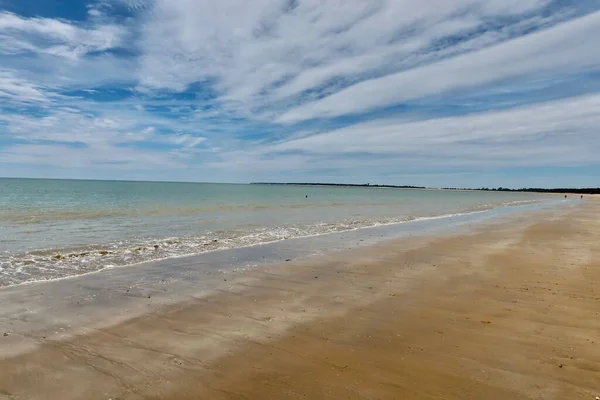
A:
<point x="52" y="229"/>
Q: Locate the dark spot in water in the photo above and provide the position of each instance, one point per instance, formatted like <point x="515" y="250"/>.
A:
<point x="6" y="334"/>
<point x="288" y="259"/>
<point x="155" y="246"/>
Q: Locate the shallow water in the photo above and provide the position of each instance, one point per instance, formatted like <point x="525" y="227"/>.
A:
<point x="52" y="229"/>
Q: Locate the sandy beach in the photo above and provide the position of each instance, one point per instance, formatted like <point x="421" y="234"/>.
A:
<point x="508" y="311"/>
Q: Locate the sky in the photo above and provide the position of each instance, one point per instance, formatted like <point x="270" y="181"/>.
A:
<point x="439" y="93"/>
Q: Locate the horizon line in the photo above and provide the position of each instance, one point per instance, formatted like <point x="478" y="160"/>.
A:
<point x="366" y="185"/>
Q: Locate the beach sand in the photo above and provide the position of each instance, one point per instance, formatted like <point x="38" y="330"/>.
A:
<point x="509" y="311"/>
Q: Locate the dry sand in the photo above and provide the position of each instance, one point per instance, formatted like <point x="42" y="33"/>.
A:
<point x="511" y="311"/>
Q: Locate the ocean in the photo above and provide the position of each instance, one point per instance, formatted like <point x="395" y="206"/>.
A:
<point x="52" y="229"/>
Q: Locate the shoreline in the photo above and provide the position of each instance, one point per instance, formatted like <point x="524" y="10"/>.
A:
<point x="516" y="204"/>
<point x="551" y="191"/>
<point x="280" y="322"/>
<point x="62" y="308"/>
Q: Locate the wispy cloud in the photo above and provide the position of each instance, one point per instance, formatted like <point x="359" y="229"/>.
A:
<point x="40" y="57"/>
<point x="13" y="88"/>
<point x="273" y="55"/>
<point x="550" y="134"/>
<point x="55" y="37"/>
<point x="532" y="54"/>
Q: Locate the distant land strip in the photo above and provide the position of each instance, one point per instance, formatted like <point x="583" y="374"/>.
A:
<point x="339" y="184"/>
<point x="483" y="189"/>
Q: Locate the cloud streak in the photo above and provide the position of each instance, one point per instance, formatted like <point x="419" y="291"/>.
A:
<point x="268" y="57"/>
<point x="13" y="88"/>
<point x="56" y="37"/>
<point x="549" y="134"/>
<point x="532" y="54"/>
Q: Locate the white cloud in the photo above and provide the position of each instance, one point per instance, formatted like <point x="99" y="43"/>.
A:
<point x="266" y="56"/>
<point x="107" y="139"/>
<point x="567" y="48"/>
<point x="41" y="57"/>
<point x="187" y="140"/>
<point x="572" y="116"/>
<point x="94" y="12"/>
<point x="135" y="5"/>
<point x="56" y="37"/>
<point x="553" y="133"/>
<point x="107" y="157"/>
<point x="16" y="89"/>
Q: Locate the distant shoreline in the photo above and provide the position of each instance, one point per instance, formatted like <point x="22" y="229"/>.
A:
<point x="590" y="191"/>
<point x="500" y="189"/>
<point x="340" y="185"/>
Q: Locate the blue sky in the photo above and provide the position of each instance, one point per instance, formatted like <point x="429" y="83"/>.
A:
<point x="434" y="92"/>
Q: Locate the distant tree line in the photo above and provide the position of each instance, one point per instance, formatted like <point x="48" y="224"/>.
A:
<point x="537" y="190"/>
<point x="484" y="189"/>
<point x="341" y="185"/>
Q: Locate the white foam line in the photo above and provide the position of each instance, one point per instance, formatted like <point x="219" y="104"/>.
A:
<point x="417" y="219"/>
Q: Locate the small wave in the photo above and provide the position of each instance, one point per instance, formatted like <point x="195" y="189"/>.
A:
<point x="51" y="264"/>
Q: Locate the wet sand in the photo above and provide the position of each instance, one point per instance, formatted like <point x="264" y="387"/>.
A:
<point x="510" y="311"/>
